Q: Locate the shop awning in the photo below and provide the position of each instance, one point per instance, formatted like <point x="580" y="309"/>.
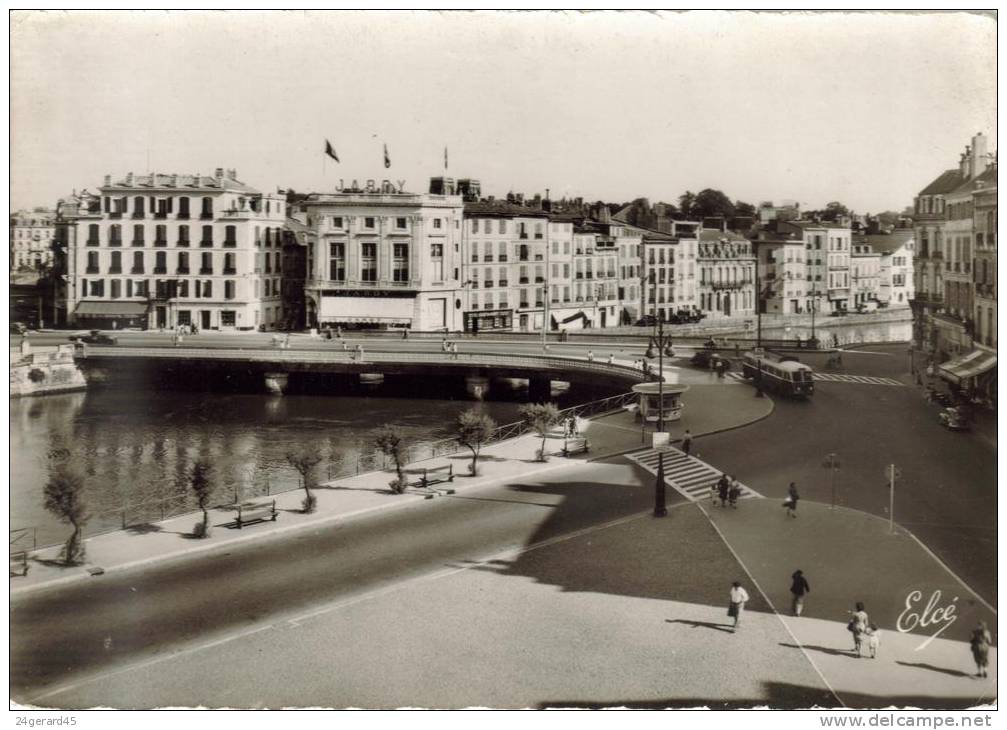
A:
<point x="365" y="310"/>
<point x="968" y="366"/>
<point x="111" y="309"/>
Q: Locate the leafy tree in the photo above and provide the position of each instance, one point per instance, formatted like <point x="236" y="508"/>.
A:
<point x="710" y="203"/>
<point x="304" y="461"/>
<point x="64" y="497"/>
<point x="744" y="209"/>
<point x="540" y="417"/>
<point x="474" y="429"/>
<point x="686" y="204"/>
<point x="202" y="487"/>
<point x="391" y="442"/>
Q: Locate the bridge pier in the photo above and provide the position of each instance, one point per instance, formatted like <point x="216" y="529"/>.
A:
<point x="477" y="386"/>
<point x="276" y="383"/>
<point x="539" y="389"/>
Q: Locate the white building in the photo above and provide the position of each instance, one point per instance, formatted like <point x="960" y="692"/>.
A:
<point x="895" y="268"/>
<point x="865" y="275"/>
<point x="31" y="235"/>
<point x="783" y="275"/>
<point x="167" y="250"/>
<point x="827" y="246"/>
<point x="727" y="274"/>
<point x="384" y="257"/>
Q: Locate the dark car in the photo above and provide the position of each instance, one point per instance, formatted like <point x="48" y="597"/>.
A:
<point x="648" y="320"/>
<point x="94" y="337"/>
<point x="837" y="313"/>
<point x="709" y="360"/>
<point x="18" y="328"/>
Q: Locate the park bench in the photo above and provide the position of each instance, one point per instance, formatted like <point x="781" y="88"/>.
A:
<point x="248" y="513"/>
<point x="19" y="563"/>
<point x="435" y="475"/>
<point x="575" y="445"/>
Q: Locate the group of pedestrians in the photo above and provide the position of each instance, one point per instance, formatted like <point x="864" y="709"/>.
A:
<point x="727" y="489"/>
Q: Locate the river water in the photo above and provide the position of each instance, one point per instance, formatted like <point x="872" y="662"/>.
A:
<point x="134" y="447"/>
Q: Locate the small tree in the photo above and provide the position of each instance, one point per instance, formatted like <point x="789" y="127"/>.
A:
<point x="202" y="487"/>
<point x="64" y="497"/>
<point x="390" y="442"/>
<point x="474" y="429"/>
<point x="540" y="417"/>
<point x="304" y="461"/>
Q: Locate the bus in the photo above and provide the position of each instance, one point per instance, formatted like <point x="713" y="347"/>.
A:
<point x="779" y="374"/>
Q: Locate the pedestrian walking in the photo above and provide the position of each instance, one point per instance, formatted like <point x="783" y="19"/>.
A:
<point x="799" y="588"/>
<point x="590" y="356"/>
<point x="723" y="487"/>
<point x="687" y="442"/>
<point x="734" y="492"/>
<point x="454" y="350"/>
<point x="791" y="501"/>
<point x="611" y="358"/>
<point x="980" y="643"/>
<point x="360" y="351"/>
<point x="858" y="624"/>
<point x="405" y="334"/>
<point x="873" y="635"/>
<point x="739" y="597"/>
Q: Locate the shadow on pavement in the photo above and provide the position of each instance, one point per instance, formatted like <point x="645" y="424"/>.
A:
<point x="726" y="628"/>
<point x="779" y="695"/>
<point x="831" y="650"/>
<point x="932" y="668"/>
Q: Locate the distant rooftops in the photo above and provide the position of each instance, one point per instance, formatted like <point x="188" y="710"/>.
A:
<point x="945" y="183"/>
<point x="221" y="180"/>
<point x="886" y="243"/>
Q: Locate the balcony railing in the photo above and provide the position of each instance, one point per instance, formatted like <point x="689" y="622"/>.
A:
<point x="488" y="284"/>
<point x="182" y="270"/>
<point x="136" y="270"/>
<point x="538" y="257"/>
<point x="183" y="242"/>
<point x="206" y="243"/>
<point x="522" y="280"/>
<point x="230" y="243"/>
<point x="206" y="216"/>
<point x="113" y="270"/>
<point x="523" y="236"/>
<point x="138" y="242"/>
<point x="206" y="270"/>
<point x="488" y="257"/>
<point x="115" y="215"/>
<point x="502" y="258"/>
<point x="91" y="270"/>
<point x="160" y="242"/>
<point x="138" y="216"/>
<point x="115" y="242"/>
<point x="160" y="215"/>
<point x="538" y="236"/>
<point x="182" y="216"/>
<point x="160" y="269"/>
<point x="230" y="270"/>
<point x="539" y="279"/>
<point x="93" y="242"/>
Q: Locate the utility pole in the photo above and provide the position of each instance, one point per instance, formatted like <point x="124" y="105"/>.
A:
<point x="831" y="462"/>
<point x="893" y="474"/>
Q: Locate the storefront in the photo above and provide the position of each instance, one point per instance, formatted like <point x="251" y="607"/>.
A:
<point x="111" y="315"/>
<point x="489" y="320"/>
<point x="973" y="373"/>
<point x="375" y="310"/>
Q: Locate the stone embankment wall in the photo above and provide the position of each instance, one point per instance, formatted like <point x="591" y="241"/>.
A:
<point x="41" y="373"/>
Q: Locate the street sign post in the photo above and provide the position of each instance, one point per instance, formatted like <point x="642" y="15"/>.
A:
<point x="831" y="462"/>
<point x="893" y="473"/>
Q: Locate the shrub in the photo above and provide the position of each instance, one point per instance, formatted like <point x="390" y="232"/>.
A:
<point x="35" y="375"/>
<point x="474" y="429"/>
<point x="398" y="485"/>
<point x="540" y="417"/>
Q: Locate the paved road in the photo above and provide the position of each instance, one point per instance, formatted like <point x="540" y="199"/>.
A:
<point x="135" y="615"/>
<point x="947" y="494"/>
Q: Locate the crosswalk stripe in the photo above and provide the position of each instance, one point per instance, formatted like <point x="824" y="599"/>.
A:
<point x="838" y="378"/>
<point x="687" y="475"/>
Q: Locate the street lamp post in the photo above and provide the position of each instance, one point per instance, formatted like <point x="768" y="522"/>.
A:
<point x="662" y="343"/>
<point x="831" y="462"/>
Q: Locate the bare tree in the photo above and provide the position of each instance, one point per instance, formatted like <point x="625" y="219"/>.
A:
<point x="540" y="417"/>
<point x="64" y="497"/>
<point x="474" y="429"/>
<point x="304" y="461"/>
<point x="202" y="487"/>
<point x="390" y="441"/>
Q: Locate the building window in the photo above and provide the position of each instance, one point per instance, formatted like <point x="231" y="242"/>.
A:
<point x="400" y="262"/>
<point x="161" y="262"/>
<point x="183" y="208"/>
<point x="206" y="265"/>
<point x="116" y="266"/>
<point x="207" y="239"/>
<point x="229" y="267"/>
<point x="160" y="235"/>
<point x="183" y="263"/>
<point x="137" y="262"/>
<point x="337" y="221"/>
<point x="400" y="223"/>
<point x="183" y="235"/>
<point x="227" y="318"/>
<point x="337" y="262"/>
<point x="437" y="223"/>
<point x="207" y="209"/>
<point x="228" y="289"/>
<point x="138" y="207"/>
<point x="368" y="222"/>
<point x="115" y="289"/>
<point x="503" y="226"/>
<point x="207" y="289"/>
<point x="138" y="234"/>
<point x="92" y="234"/>
<point x="97" y="288"/>
<point x="92" y="262"/>
<point x="368" y="261"/>
<point x="437" y="261"/>
<point x="230" y="239"/>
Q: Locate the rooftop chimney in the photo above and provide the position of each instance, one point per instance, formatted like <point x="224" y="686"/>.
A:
<point x="174" y="181"/>
<point x="232" y="174"/>
<point x="108" y="180"/>
<point x="978" y="162"/>
<point x="129" y="178"/>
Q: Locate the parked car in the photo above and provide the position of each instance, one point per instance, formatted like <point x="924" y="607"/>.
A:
<point x="648" y="320"/>
<point x="955" y="419"/>
<point x="94" y="337"/>
<point x="837" y="313"/>
<point x="18" y="328"/>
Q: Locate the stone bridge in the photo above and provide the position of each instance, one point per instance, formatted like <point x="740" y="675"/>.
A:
<point x="275" y="367"/>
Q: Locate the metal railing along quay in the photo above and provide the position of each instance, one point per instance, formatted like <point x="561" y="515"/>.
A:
<point x="139" y="515"/>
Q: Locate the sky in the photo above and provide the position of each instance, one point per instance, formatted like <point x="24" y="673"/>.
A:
<point x="861" y="108"/>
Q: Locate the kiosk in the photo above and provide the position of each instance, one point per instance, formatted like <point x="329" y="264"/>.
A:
<point x="650" y="401"/>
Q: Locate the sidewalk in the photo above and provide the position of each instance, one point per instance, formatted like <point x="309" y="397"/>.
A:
<point x="849" y="556"/>
<point x="708" y="409"/>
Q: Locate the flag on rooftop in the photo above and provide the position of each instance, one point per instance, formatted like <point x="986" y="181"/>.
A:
<point x="330" y="151"/>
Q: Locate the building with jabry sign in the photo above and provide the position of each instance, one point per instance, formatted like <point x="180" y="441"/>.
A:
<point x="383" y="257"/>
